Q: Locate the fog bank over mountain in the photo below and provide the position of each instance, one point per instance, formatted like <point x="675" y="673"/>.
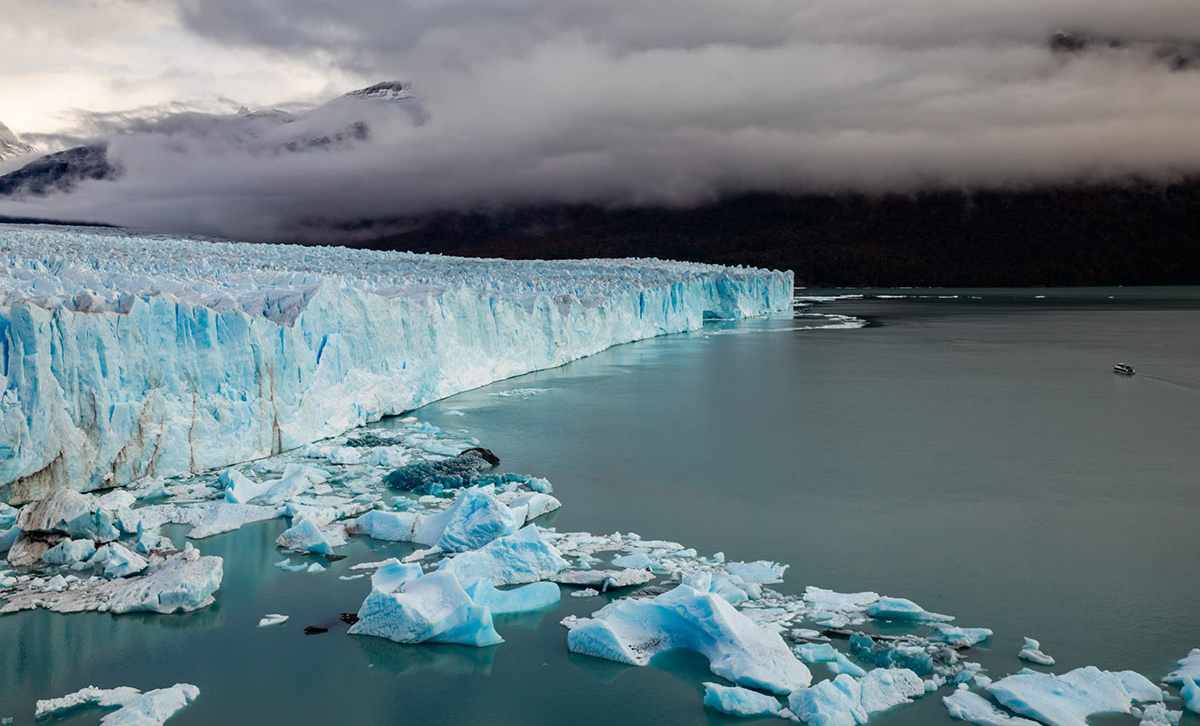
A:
<point x="625" y="105"/>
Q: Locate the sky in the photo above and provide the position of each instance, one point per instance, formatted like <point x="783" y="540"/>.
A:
<point x="526" y="101"/>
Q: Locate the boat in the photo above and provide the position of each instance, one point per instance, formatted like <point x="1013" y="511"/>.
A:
<point x="1123" y="369"/>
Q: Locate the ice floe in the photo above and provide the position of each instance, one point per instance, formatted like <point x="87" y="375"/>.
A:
<point x="1031" y="651"/>
<point x="272" y="619"/>
<point x="134" y="708"/>
<point x="433" y="608"/>
<point x="1071" y="698"/>
<point x="635" y="630"/>
<point x="971" y="707"/>
<point x="738" y="701"/>
<point x="898" y="608"/>
<point x="510" y="560"/>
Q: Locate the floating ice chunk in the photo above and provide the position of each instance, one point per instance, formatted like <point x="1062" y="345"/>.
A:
<point x="529" y="507"/>
<point x="821" y="599"/>
<point x="761" y="572"/>
<point x="431" y="608"/>
<point x="585" y="592"/>
<point x="89" y="696"/>
<point x="829" y="703"/>
<point x="181" y="583"/>
<point x="845" y="701"/>
<point x="315" y="568"/>
<point x="272" y="619"/>
<point x="239" y="488"/>
<point x="373" y="565"/>
<point x="1156" y="714"/>
<point x="817" y="652"/>
<point x="387" y="526"/>
<point x="475" y="518"/>
<point x="898" y="608"/>
<point x="634" y="561"/>
<point x="1069" y="699"/>
<point x="958" y="637"/>
<point x="153" y="707"/>
<point x="215" y="518"/>
<point x="737" y="701"/>
<point x="393" y="574"/>
<point x="114" y="561"/>
<point x="69" y="552"/>
<point x="306" y="536"/>
<point x="974" y="708"/>
<point x="733" y="589"/>
<point x="511" y="560"/>
<point x="286" y="564"/>
<point x="522" y="599"/>
<point x="540" y="485"/>
<point x="1032" y="652"/>
<point x="604" y="579"/>
<point x="884" y="688"/>
<point x="295" y="480"/>
<point x="738" y="649"/>
<point x="1187" y="677"/>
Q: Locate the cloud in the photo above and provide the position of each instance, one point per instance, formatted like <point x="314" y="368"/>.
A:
<point x="672" y="102"/>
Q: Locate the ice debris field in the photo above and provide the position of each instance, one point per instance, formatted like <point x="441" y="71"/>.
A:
<point x="125" y="361"/>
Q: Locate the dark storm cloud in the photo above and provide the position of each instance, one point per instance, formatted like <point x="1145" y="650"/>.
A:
<point x="671" y="102"/>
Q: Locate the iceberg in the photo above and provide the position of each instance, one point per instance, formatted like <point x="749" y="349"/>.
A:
<point x="898" y="608"/>
<point x="1069" y="699"/>
<point x="1187" y="677"/>
<point x="152" y="708"/>
<point x="432" y="608"/>
<point x="511" y="560"/>
<point x="957" y="637"/>
<point x="739" y="650"/>
<point x="845" y="701"/>
<point x="306" y="536"/>
<point x="475" y="518"/>
<point x="272" y="619"/>
<point x="239" y="488"/>
<point x="1032" y="652"/>
<point x="737" y="701"/>
<point x="89" y="696"/>
<point x="1156" y="714"/>
<point x="182" y="583"/>
<point x="974" y="708"/>
<point x="135" y="357"/>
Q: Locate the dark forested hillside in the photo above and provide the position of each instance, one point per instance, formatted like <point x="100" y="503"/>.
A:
<point x="1119" y="234"/>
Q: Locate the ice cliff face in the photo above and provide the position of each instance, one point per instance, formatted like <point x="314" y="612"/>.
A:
<point x="125" y="357"/>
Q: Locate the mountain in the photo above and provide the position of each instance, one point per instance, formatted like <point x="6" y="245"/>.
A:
<point x="1132" y="233"/>
<point x="60" y="172"/>
<point x="10" y="145"/>
<point x="354" y="118"/>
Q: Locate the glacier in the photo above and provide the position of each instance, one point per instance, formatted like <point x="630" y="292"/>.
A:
<point x="126" y="357"/>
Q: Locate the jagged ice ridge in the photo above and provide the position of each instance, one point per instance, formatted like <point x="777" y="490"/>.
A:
<point x="126" y="357"/>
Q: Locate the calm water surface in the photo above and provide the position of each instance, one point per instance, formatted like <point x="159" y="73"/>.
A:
<point x="975" y="455"/>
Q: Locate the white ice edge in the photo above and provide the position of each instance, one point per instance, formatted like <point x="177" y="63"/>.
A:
<point x="126" y="357"/>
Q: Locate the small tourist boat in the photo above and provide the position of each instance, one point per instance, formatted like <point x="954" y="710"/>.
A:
<point x="1123" y="369"/>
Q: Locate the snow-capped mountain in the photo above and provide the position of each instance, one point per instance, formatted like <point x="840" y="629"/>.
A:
<point x="10" y="145"/>
<point x="359" y="117"/>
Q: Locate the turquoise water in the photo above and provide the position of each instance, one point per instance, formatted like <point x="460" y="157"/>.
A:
<point x="975" y="455"/>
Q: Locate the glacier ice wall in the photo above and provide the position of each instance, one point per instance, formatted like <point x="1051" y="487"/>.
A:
<point x="126" y="357"/>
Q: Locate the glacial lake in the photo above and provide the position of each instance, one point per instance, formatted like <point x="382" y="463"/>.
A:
<point x="970" y="450"/>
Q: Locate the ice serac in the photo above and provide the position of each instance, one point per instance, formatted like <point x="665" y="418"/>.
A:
<point x="126" y="357"/>
<point x="738" y="649"/>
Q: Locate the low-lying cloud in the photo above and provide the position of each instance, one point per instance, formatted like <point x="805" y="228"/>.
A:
<point x="672" y="102"/>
